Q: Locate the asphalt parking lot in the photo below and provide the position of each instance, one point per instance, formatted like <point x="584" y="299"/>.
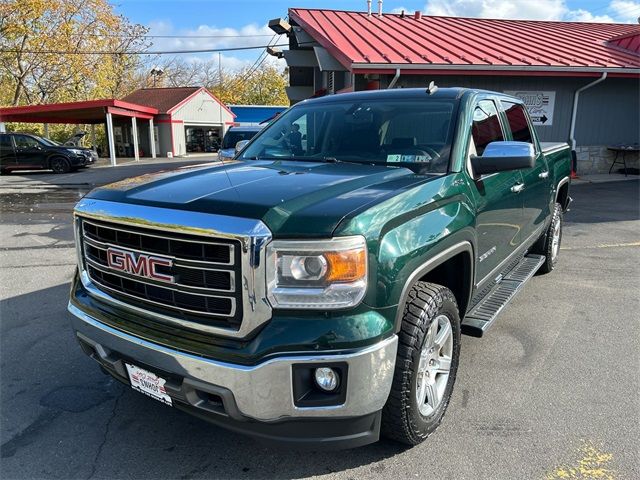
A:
<point x="553" y="390"/>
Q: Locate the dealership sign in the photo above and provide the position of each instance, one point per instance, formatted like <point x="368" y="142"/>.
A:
<point x="539" y="104"/>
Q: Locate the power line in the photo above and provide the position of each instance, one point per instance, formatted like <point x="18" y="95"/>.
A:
<point x="256" y="65"/>
<point x="164" y="52"/>
<point x="116" y="35"/>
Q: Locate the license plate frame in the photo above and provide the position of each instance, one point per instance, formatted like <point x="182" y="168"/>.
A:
<point x="148" y="383"/>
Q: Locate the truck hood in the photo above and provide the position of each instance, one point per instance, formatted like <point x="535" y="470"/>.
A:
<point x="291" y="198"/>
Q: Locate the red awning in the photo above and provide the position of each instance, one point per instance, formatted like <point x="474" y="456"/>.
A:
<point x="91" y="111"/>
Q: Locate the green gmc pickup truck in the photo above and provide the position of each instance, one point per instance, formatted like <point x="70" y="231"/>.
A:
<point x="313" y="290"/>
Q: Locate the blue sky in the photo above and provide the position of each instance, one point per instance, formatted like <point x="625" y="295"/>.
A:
<point x="229" y="23"/>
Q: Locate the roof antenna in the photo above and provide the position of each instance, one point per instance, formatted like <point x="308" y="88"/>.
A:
<point x="432" y="88"/>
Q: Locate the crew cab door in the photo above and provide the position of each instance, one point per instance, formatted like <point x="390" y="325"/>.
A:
<point x="29" y="152"/>
<point x="7" y="153"/>
<point x="536" y="180"/>
<point x="498" y="205"/>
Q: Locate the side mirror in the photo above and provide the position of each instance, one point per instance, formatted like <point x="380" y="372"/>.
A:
<point x="241" y="144"/>
<point x="504" y="156"/>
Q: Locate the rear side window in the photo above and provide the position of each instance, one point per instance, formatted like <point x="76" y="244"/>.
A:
<point x="486" y="125"/>
<point x="520" y="130"/>
<point x="22" y="141"/>
<point x="5" y="142"/>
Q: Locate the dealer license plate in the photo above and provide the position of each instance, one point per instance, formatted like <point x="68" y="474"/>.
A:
<point x="148" y="383"/>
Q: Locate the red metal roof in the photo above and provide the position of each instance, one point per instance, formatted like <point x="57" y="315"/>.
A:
<point x="167" y="100"/>
<point x="164" y="99"/>
<point x="629" y="42"/>
<point x="365" y="43"/>
<point x="91" y="111"/>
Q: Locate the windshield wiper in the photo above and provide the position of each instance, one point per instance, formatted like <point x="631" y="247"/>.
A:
<point x="305" y="159"/>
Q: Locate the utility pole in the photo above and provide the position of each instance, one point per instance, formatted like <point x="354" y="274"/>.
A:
<point x="220" y="93"/>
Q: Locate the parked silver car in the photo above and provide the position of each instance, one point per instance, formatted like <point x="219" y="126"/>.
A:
<point x="233" y="136"/>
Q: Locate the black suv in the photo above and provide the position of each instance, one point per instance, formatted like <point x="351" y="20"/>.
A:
<point x="23" y="151"/>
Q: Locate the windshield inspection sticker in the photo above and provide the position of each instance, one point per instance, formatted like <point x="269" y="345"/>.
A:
<point x="408" y="158"/>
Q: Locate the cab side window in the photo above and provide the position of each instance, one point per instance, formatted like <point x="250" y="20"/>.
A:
<point x="518" y="123"/>
<point x="22" y="141"/>
<point x="5" y="142"/>
<point x="486" y="125"/>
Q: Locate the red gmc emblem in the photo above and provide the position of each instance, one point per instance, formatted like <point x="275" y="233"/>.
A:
<point x="139" y="264"/>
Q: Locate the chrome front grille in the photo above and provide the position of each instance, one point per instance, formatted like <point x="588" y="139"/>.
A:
<point x="215" y="266"/>
<point x="204" y="271"/>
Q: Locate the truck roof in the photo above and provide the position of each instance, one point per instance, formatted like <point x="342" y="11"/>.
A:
<point x="399" y="93"/>
<point x="247" y="128"/>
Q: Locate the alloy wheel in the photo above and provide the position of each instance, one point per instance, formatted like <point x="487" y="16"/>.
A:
<point x="435" y="365"/>
<point x="555" y="239"/>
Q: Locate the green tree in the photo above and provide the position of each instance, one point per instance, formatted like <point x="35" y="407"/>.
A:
<point x="43" y="45"/>
<point x="258" y="85"/>
<point x="261" y="86"/>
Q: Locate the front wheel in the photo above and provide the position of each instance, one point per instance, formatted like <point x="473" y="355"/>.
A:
<point x="60" y="165"/>
<point x="426" y="366"/>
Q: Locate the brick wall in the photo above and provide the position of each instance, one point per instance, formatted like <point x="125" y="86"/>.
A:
<point x="598" y="159"/>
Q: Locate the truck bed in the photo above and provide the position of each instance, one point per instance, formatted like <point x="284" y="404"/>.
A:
<point x="549" y="147"/>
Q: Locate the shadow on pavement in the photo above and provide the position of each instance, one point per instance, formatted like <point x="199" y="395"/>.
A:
<point x="605" y="202"/>
<point x="95" y="175"/>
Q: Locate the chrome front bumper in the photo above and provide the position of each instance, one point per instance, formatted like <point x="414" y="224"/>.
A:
<point x="263" y="392"/>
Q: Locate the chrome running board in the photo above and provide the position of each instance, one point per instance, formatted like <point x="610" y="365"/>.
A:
<point x="480" y="318"/>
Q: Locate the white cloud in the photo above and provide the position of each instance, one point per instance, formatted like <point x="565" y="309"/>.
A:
<point x="625" y="11"/>
<point x="213" y="37"/>
<point x="521" y="9"/>
<point x="581" y="15"/>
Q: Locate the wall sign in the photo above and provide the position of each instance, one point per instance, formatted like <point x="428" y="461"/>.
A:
<point x="539" y="104"/>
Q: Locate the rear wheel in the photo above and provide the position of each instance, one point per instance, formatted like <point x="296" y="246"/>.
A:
<point x="426" y="365"/>
<point x="549" y="243"/>
<point x="59" y="165"/>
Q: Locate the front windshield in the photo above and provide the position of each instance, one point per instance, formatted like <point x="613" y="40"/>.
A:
<point x="232" y="137"/>
<point x="405" y="132"/>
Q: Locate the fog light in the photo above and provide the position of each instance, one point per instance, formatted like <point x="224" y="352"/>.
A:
<point x="327" y="379"/>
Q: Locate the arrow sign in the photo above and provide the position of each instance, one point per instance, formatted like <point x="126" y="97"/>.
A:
<point x="540" y="104"/>
<point x="543" y="119"/>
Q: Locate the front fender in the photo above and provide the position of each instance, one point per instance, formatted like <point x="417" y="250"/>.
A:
<point x="420" y="228"/>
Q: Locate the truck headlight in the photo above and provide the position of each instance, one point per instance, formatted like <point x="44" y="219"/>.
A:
<point x="317" y="274"/>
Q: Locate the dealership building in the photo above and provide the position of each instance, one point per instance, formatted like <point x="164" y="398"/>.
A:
<point x="580" y="81"/>
<point x="149" y="122"/>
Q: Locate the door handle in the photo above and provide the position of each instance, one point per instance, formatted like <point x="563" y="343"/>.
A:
<point x="543" y="174"/>
<point x="517" y="188"/>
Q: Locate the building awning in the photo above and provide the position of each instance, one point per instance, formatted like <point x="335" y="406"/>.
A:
<point x="90" y="112"/>
<point x="419" y="43"/>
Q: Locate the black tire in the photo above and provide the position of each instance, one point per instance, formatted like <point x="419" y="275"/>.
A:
<point x="59" y="165"/>
<point x="4" y="171"/>
<point x="401" y="417"/>
<point x="544" y="246"/>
